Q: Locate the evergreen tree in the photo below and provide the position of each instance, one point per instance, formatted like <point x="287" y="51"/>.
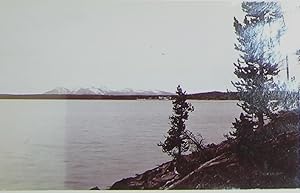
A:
<point x="177" y="141"/>
<point x="258" y="43"/>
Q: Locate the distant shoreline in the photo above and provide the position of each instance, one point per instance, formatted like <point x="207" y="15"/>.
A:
<point x="197" y="96"/>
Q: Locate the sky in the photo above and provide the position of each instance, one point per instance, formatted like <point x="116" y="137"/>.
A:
<point x="138" y="44"/>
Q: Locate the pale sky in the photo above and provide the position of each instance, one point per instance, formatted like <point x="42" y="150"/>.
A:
<point x="149" y="45"/>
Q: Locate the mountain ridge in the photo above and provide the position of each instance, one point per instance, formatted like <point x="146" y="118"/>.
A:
<point x="104" y="91"/>
<point x="94" y="93"/>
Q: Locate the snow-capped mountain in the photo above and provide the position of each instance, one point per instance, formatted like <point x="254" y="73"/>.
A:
<point x="59" y="90"/>
<point x="102" y="91"/>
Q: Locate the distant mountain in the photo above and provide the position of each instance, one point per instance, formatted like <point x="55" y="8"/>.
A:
<point x="59" y="90"/>
<point x="125" y="94"/>
<point x="102" y="91"/>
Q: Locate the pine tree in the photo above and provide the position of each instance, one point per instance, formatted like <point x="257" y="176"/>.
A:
<point x="258" y="43"/>
<point x="177" y="142"/>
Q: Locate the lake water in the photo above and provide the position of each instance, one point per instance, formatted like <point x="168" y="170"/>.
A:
<point x="78" y="144"/>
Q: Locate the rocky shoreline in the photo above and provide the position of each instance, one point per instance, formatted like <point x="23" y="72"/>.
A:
<point x="219" y="166"/>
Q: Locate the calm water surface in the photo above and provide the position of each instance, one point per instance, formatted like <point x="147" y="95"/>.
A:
<point x="74" y="144"/>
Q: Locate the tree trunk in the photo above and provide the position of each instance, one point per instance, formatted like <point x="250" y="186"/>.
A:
<point x="260" y="120"/>
<point x="179" y="150"/>
<point x="215" y="161"/>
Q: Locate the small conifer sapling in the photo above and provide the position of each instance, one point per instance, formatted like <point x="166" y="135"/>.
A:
<point x="176" y="142"/>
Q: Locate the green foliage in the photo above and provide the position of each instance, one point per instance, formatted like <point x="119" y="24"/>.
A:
<point x="245" y="135"/>
<point x="258" y="43"/>
<point x="177" y="141"/>
<point x="287" y="95"/>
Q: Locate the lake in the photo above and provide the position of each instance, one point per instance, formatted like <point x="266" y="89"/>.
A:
<point x="78" y="144"/>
